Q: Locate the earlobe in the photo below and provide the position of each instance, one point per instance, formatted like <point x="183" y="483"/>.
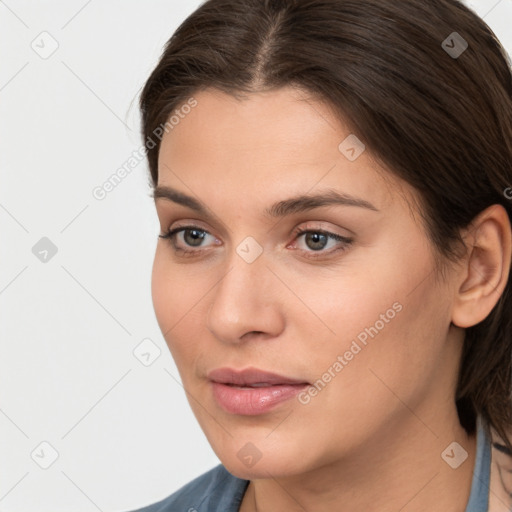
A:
<point x="486" y="269"/>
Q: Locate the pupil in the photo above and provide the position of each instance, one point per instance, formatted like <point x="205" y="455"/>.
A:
<point x="315" y="238"/>
<point x="196" y="237"/>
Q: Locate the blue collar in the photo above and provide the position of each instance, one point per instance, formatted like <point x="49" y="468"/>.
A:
<point x="479" y="497"/>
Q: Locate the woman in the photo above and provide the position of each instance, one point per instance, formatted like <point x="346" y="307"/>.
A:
<point x="332" y="278"/>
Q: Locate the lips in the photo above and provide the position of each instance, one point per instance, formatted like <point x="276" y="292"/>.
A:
<point x="251" y="392"/>
<point x="251" y="377"/>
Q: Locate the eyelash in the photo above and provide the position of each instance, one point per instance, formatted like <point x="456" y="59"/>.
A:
<point x="170" y="235"/>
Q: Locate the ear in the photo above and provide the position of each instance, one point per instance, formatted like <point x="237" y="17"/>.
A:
<point x="486" y="266"/>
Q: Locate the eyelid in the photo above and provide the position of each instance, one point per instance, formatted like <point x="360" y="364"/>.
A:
<point x="320" y="227"/>
<point x="169" y="216"/>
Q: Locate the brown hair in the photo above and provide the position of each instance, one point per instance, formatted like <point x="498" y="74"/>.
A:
<point x="441" y="122"/>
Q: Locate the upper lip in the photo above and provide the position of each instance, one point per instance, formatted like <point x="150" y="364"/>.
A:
<point x="249" y="376"/>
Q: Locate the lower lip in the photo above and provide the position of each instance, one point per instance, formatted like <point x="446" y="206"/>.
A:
<point x="253" y="401"/>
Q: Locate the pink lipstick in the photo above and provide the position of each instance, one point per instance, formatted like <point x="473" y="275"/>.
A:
<point x="252" y="391"/>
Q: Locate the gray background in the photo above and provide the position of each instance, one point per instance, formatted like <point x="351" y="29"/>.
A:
<point x="116" y="428"/>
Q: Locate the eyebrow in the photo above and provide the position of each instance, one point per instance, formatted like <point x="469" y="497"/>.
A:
<point x="298" y="204"/>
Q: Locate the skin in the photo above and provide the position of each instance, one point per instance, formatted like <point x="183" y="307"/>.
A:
<point x="372" y="439"/>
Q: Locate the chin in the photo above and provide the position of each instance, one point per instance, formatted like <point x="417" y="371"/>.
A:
<point x="274" y="466"/>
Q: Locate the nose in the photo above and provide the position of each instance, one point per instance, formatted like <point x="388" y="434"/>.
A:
<point x="245" y="302"/>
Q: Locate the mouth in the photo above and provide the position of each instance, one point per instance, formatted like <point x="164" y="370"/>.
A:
<point x="258" y="385"/>
<point x="251" y="392"/>
<point x="252" y="378"/>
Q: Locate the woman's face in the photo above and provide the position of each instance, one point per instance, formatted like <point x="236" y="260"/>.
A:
<point x="362" y="316"/>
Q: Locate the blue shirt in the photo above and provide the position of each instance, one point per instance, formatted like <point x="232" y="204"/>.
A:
<point x="217" y="490"/>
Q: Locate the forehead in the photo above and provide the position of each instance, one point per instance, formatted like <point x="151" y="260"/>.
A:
<point x="280" y="121"/>
<point x="268" y="144"/>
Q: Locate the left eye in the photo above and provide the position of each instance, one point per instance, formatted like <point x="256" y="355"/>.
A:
<point x="316" y="240"/>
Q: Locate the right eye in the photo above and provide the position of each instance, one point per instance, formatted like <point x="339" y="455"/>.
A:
<point x="192" y="237"/>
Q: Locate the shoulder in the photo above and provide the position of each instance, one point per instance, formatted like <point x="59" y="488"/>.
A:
<point x="216" y="489"/>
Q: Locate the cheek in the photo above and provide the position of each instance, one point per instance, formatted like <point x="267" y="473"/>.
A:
<point x="390" y="322"/>
<point x="174" y="295"/>
<point x="179" y="299"/>
<point x="161" y="291"/>
<point x="392" y="350"/>
<point x="176" y="290"/>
